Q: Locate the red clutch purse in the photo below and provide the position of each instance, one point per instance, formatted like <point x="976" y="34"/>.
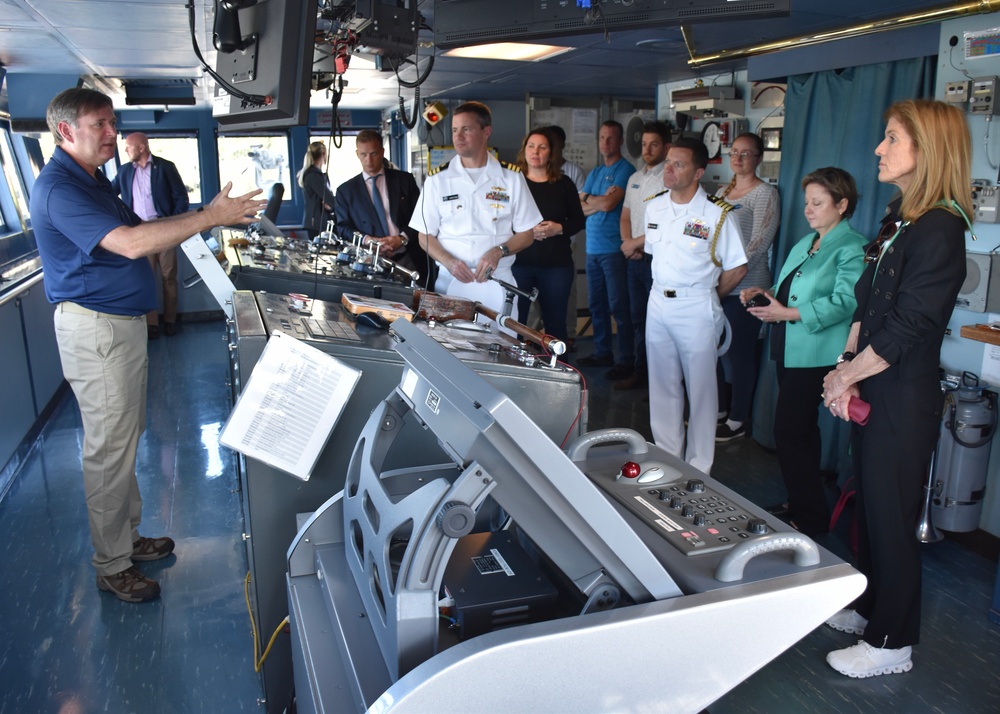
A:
<point x="858" y="410"/>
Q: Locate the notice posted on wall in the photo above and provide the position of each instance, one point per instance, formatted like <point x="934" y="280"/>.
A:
<point x="290" y="406"/>
<point x="990" y="370"/>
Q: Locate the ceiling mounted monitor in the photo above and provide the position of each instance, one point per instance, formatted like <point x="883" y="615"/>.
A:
<point x="468" y="22"/>
<point x="392" y="33"/>
<point x="271" y="59"/>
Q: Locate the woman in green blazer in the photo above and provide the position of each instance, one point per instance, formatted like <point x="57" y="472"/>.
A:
<point x="810" y="309"/>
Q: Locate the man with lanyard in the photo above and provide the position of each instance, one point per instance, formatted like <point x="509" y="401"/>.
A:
<point x="643" y="185"/>
<point x="94" y="252"/>
<point x="152" y="187"/>
<point x="607" y="278"/>
<point x="475" y="213"/>
<point x="698" y="257"/>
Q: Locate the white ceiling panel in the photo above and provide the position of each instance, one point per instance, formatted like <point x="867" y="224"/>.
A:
<point x="114" y="18"/>
<point x="150" y="39"/>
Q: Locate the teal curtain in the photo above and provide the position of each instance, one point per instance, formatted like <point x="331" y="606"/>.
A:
<point x="834" y="118"/>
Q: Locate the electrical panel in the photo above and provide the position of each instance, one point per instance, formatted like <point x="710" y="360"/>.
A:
<point x="981" y="290"/>
<point x="986" y="202"/>
<point x="770" y="171"/>
<point x="957" y="92"/>
<point x="983" y="98"/>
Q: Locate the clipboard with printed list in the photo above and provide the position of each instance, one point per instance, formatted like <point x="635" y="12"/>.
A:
<point x="290" y="406"/>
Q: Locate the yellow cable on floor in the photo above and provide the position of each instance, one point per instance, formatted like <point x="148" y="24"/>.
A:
<point x="257" y="664"/>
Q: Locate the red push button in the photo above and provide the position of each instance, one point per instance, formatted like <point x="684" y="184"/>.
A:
<point x="631" y="469"/>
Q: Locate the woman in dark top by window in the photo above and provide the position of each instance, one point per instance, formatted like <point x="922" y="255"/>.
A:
<point x="315" y="189"/>
<point x="547" y="264"/>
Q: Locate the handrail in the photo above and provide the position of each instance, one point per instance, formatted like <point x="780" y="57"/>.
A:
<point x="16" y="291"/>
<point x="920" y="17"/>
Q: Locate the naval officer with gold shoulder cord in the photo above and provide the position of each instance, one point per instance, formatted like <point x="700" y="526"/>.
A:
<point x="698" y="257"/>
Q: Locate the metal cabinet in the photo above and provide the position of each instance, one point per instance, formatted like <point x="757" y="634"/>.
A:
<point x="272" y="499"/>
<point x="29" y="358"/>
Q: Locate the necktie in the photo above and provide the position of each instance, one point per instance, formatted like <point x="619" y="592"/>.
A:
<point x="379" y="208"/>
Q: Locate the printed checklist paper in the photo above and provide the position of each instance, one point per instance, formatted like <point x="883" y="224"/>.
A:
<point x="290" y="406"/>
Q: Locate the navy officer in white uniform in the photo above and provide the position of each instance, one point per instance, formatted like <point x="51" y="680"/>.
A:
<point x="475" y="213"/>
<point x="698" y="257"/>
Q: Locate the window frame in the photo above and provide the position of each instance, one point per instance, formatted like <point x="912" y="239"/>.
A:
<point x="18" y="250"/>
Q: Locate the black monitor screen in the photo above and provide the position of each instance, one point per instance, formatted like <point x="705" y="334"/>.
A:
<point x="277" y="64"/>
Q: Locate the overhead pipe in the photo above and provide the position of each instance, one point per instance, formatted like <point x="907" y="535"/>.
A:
<point x="923" y="17"/>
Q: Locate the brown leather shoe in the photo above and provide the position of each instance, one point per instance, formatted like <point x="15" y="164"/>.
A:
<point x="129" y="585"/>
<point x="152" y="548"/>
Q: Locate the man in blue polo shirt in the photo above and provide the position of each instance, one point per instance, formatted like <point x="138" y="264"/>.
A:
<point x="607" y="279"/>
<point x="94" y="255"/>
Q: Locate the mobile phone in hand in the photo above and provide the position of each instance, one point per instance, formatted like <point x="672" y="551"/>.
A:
<point x="759" y="300"/>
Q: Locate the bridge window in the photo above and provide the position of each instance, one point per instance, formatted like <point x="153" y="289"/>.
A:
<point x="13" y="201"/>
<point x="255" y="161"/>
<point x="18" y="252"/>
<point x="47" y="145"/>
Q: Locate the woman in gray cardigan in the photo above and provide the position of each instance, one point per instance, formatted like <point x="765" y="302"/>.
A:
<point x="810" y="307"/>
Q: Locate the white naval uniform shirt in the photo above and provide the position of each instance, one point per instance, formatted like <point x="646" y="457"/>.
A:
<point x="683" y="309"/>
<point x="679" y="237"/>
<point x="469" y="216"/>
<point x="642" y="186"/>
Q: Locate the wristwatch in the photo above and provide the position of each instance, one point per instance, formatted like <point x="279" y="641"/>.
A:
<point x="404" y="240"/>
<point x="504" y="250"/>
<point x="846" y="357"/>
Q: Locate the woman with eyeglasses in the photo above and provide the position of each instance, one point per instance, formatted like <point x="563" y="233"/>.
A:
<point x="757" y="208"/>
<point x="315" y="189"/>
<point x="810" y="310"/>
<point x="905" y="297"/>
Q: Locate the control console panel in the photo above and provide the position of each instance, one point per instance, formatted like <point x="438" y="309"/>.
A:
<point x="698" y="528"/>
<point x="693" y="516"/>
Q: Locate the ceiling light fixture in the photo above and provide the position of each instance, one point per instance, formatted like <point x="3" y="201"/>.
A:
<point x="509" y="51"/>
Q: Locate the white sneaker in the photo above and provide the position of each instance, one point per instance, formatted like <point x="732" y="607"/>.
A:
<point x="863" y="660"/>
<point x="848" y="621"/>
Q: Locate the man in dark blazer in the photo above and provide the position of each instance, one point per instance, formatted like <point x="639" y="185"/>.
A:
<point x="397" y="192"/>
<point x="153" y="188"/>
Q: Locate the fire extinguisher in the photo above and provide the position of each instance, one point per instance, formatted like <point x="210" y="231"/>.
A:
<point x="963" y="455"/>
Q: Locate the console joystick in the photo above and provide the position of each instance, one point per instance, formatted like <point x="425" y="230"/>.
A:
<point x="630" y="469"/>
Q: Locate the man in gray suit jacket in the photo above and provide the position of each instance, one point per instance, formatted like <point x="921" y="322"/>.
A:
<point x="153" y="188"/>
<point x="385" y="223"/>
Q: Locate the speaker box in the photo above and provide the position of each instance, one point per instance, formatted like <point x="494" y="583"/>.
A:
<point x="981" y="290"/>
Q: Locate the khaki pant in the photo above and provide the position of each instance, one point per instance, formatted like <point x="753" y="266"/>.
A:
<point x="104" y="361"/>
<point x="167" y="261"/>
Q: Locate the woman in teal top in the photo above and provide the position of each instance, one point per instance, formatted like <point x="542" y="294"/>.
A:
<point x="811" y="307"/>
